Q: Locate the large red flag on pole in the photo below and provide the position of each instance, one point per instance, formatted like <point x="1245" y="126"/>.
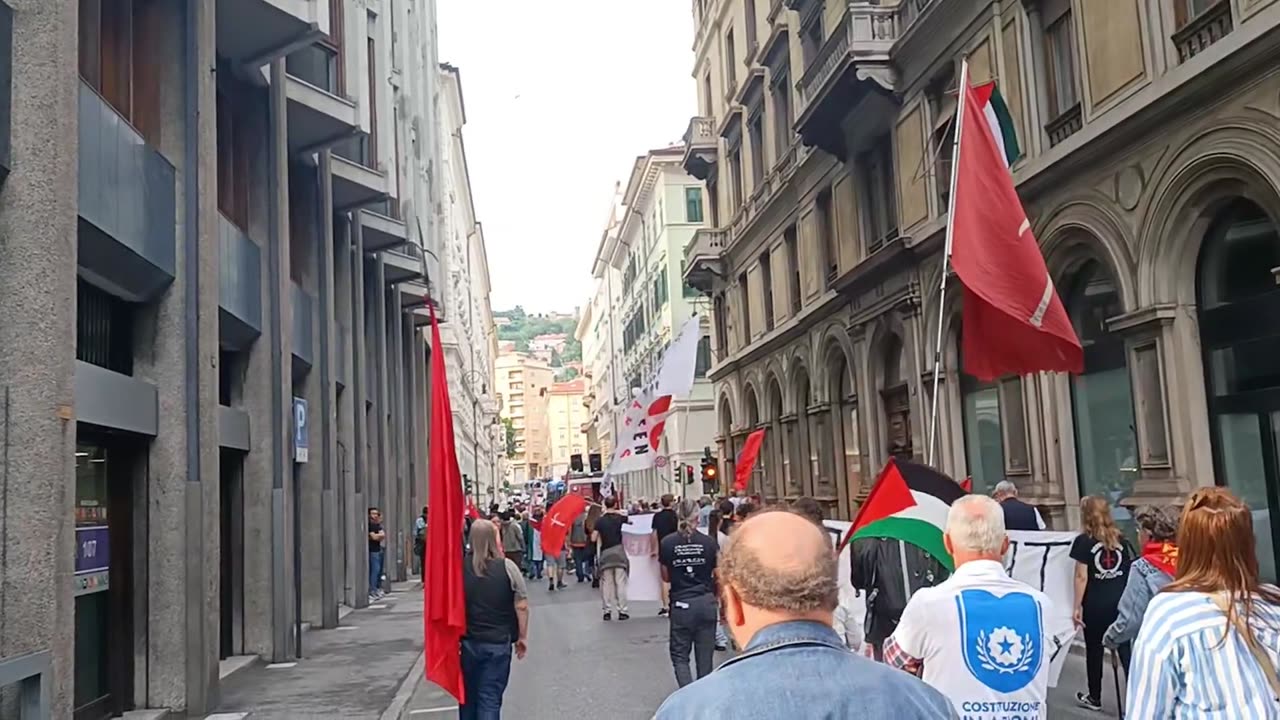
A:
<point x="445" y="616"/>
<point x="555" y="526"/>
<point x="747" y="459"/>
<point x="1014" y="323"/>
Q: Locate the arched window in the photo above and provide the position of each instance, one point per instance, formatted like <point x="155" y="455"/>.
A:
<point x="1101" y="397"/>
<point x="1239" y="302"/>
<point x="846" y="456"/>
<point x="757" y="484"/>
<point x="798" y="434"/>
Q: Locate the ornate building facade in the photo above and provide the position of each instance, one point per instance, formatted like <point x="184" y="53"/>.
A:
<point x="1150" y="173"/>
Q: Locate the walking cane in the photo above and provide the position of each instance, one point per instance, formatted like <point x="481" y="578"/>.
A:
<point x="1115" y="671"/>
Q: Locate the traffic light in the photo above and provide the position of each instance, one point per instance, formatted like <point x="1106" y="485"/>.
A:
<point x="710" y="475"/>
<point x="688" y="474"/>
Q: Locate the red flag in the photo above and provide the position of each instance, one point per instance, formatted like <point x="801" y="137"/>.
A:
<point x="555" y="525"/>
<point x="747" y="459"/>
<point x="472" y="511"/>
<point x="444" y="617"/>
<point x="1013" y="320"/>
<point x="967" y="484"/>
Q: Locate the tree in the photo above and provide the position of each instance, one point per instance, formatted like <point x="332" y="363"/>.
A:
<point x="511" y="437"/>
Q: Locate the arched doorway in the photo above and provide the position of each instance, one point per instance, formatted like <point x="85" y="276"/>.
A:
<point x="779" y="457"/>
<point x="897" y="401"/>
<point x="1102" y="397"/>
<point x="1239" y="301"/>
<point x="846" y="459"/>
<point x="724" y="446"/>
<point x="757" y="483"/>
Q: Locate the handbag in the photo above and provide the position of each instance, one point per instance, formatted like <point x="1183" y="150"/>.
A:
<point x="1268" y="669"/>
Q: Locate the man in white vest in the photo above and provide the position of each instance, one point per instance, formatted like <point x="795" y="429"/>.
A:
<point x="982" y="638"/>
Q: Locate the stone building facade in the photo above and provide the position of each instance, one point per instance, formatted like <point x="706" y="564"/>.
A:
<point x="1150" y="173"/>
<point x="218" y="225"/>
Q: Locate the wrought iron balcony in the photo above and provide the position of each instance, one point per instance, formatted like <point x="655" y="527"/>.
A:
<point x="701" y="147"/>
<point x="853" y="64"/>
<point x="1203" y="30"/>
<point x="704" y="267"/>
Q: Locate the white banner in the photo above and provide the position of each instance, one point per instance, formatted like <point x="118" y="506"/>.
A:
<point x="1039" y="559"/>
<point x="645" y="580"/>
<point x="680" y="361"/>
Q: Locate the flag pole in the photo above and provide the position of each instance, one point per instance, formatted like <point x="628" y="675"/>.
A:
<point x="946" y="255"/>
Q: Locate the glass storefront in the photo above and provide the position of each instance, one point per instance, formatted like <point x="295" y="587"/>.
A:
<point x="92" y="580"/>
<point x="1101" y="397"/>
<point x="1239" y="300"/>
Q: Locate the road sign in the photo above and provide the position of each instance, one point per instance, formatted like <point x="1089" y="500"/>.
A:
<point x="660" y="461"/>
<point x="299" y="430"/>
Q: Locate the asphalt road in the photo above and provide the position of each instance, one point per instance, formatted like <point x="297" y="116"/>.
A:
<point x="580" y="666"/>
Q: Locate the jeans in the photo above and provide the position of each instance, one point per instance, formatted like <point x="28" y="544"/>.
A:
<point x="375" y="571"/>
<point x="537" y="569"/>
<point x="486" y="667"/>
<point x="613" y="586"/>
<point x="693" y="625"/>
<point x="583" y="563"/>
<point x="1096" y="622"/>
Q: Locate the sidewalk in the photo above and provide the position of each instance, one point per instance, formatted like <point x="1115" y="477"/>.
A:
<point x="352" y="672"/>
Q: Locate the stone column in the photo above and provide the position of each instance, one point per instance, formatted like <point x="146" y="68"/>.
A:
<point x="326" y="431"/>
<point x="38" y="220"/>
<point x="361" y="491"/>
<point x="345" y="408"/>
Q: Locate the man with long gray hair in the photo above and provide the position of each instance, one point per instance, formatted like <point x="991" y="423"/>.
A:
<point x="984" y="639"/>
<point x="688" y="561"/>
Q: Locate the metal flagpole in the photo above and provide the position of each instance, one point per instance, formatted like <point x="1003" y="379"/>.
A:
<point x="946" y="256"/>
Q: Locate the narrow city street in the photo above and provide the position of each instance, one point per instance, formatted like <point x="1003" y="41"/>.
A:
<point x="579" y="666"/>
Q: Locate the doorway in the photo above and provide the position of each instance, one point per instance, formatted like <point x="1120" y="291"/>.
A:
<point x="231" y="550"/>
<point x="1238" y="297"/>
<point x="107" y="476"/>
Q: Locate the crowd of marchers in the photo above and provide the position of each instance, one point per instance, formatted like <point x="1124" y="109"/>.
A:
<point x="1195" y="628"/>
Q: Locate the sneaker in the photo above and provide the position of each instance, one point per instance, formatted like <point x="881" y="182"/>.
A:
<point x="552" y="587"/>
<point x="595" y="583"/>
<point x="722" y="648"/>
<point x="663" y="612"/>
<point x="561" y="585"/>
<point x="1084" y="701"/>
<point x="607" y="616"/>
<point x="623" y="616"/>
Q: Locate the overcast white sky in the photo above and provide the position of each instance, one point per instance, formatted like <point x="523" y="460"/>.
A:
<point x="561" y="97"/>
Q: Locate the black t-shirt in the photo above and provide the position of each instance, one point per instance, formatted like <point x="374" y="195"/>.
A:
<point x="1108" y="570"/>
<point x="610" y="528"/>
<point x="690" y="562"/>
<point x="665" y="523"/>
<point x="375" y="545"/>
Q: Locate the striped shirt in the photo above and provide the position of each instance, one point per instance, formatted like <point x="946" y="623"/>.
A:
<point x="1183" y="670"/>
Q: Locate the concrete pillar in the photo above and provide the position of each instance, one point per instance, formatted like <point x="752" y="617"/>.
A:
<point x="177" y="350"/>
<point x="38" y="210"/>
<point x="345" y="408"/>
<point x="278" y="331"/>
<point x="361" y="464"/>
<point x="395" y="367"/>
<point x="327" y="431"/>
<point x="380" y="465"/>
<point x="308" y="247"/>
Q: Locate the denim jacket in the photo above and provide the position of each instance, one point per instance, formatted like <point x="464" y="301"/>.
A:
<point x="801" y="670"/>
<point x="1145" y="580"/>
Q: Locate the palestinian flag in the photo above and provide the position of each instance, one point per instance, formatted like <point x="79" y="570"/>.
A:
<point x="909" y="502"/>
<point x="999" y="120"/>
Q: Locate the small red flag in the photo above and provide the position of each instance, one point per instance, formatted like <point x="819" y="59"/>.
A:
<point x="1014" y="323"/>
<point x="472" y="511"/>
<point x="967" y="484"/>
<point x="444" y="617"/>
<point x="555" y="526"/>
<point x="747" y="459"/>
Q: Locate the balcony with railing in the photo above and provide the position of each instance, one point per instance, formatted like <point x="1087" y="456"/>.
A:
<point x="319" y="115"/>
<point x="704" y="267"/>
<point x="701" y="147"/>
<point x="909" y="11"/>
<point x="1203" y="30"/>
<point x="128" y="203"/>
<point x="851" y="66"/>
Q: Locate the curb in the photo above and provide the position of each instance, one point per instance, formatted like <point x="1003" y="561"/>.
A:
<point x="405" y="691"/>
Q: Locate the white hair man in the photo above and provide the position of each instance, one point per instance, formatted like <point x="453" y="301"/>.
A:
<point x="982" y="638"/>
<point x="1017" y="514"/>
